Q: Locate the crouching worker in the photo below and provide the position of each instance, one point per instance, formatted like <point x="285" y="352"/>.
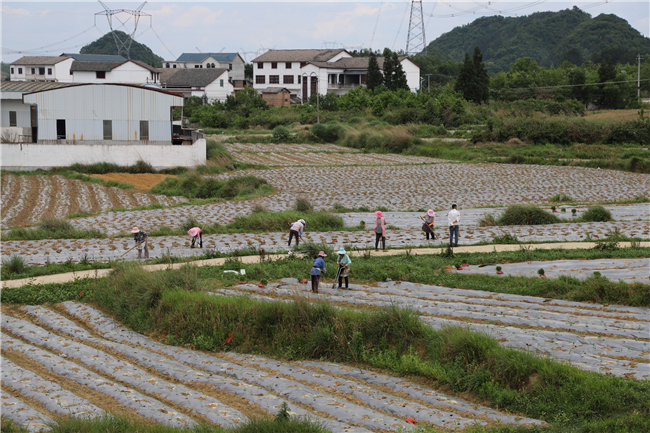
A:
<point x="141" y="242"/>
<point x="343" y="260"/>
<point x="196" y="235"/>
<point x="296" y="231"/>
<point x="316" y="269"/>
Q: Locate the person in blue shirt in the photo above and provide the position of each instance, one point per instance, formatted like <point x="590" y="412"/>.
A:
<point x="316" y="269"/>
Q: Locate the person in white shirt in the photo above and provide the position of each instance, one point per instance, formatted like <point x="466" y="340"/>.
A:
<point x="296" y="231"/>
<point x="454" y="219"/>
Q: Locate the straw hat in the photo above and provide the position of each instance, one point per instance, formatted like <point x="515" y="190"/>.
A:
<point x="431" y="213"/>
<point x="322" y="254"/>
<point x="378" y="214"/>
<point x="135" y="230"/>
<point x="341" y="251"/>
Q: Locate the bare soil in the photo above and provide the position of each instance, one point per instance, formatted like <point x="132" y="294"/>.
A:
<point x="143" y="182"/>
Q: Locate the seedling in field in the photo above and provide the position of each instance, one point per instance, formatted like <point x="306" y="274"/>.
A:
<point x="541" y="273"/>
<point x="499" y="271"/>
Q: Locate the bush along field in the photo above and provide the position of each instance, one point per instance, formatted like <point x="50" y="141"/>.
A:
<point x="456" y="360"/>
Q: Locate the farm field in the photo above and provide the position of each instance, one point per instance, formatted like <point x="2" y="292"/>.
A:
<point x="109" y="368"/>
<point x="27" y="199"/>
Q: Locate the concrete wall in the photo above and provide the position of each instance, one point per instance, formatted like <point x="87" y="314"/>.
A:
<point x="215" y="91"/>
<point x="29" y="157"/>
<point x="23" y="118"/>
<point x="412" y="74"/>
<point x="128" y="73"/>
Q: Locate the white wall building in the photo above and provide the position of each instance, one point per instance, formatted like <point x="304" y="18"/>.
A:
<point x="231" y="61"/>
<point x="214" y="84"/>
<point x="41" y="68"/>
<point x="306" y="72"/>
<point x="19" y="119"/>
<point x="127" y="72"/>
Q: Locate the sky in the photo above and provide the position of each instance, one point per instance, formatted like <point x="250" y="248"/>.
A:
<point x="252" y="27"/>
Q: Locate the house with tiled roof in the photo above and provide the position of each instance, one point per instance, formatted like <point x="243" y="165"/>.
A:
<point x="125" y="71"/>
<point x="231" y="61"/>
<point x="41" y="68"/>
<point x="307" y="72"/>
<point x="213" y="84"/>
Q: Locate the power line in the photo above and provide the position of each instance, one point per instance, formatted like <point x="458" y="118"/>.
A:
<point x="400" y="26"/>
<point x="572" y="85"/>
<point x="40" y="49"/>
<point x="376" y="22"/>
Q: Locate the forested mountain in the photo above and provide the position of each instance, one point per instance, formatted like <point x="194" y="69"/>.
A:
<point x="106" y="45"/>
<point x="549" y="38"/>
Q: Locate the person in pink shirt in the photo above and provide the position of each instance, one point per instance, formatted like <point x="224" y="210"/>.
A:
<point x="195" y="233"/>
<point x="380" y="230"/>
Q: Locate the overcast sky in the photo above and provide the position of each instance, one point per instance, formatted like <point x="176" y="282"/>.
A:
<point x="250" y="28"/>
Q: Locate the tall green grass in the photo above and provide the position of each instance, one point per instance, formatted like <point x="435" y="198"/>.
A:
<point x="193" y="185"/>
<point x="53" y="228"/>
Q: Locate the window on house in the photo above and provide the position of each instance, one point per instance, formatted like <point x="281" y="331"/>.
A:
<point x="33" y="71"/>
<point x="302" y="64"/>
<point x="213" y="66"/>
<point x="100" y="74"/>
<point x="144" y="130"/>
<point x="230" y="66"/>
<point x="260" y="79"/>
<point x="287" y="65"/>
<point x="167" y="66"/>
<point x="298" y="79"/>
<point x="174" y="67"/>
<point x="108" y="129"/>
<point x="41" y="71"/>
<point x="71" y="72"/>
<point x="274" y="65"/>
<point x="274" y="79"/>
<point x="221" y="83"/>
<point x="363" y="79"/>
<point x="287" y="79"/>
<point x="196" y="66"/>
<point x="12" y="119"/>
<point x="60" y="129"/>
<point x="20" y="71"/>
<point x="260" y="65"/>
<point x="12" y="70"/>
<point x="49" y="71"/>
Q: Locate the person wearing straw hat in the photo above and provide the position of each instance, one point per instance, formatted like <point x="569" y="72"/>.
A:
<point x="380" y="230"/>
<point x="427" y="227"/>
<point x="296" y="231"/>
<point x="343" y="260"/>
<point x="141" y="242"/>
<point x="317" y="267"/>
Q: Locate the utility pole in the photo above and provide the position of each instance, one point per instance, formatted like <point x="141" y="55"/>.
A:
<point x="639" y="57"/>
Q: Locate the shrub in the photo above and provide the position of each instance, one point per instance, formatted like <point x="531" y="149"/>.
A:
<point x="328" y="133"/>
<point x="311" y="249"/>
<point x="488" y="221"/>
<point x="524" y="214"/>
<point x="14" y="264"/>
<point x="192" y="185"/>
<point x="303" y="205"/>
<point x="562" y="198"/>
<point x="55" y="225"/>
<point x="507" y="238"/>
<point x="596" y="214"/>
<point x="189" y="223"/>
<point x="281" y="133"/>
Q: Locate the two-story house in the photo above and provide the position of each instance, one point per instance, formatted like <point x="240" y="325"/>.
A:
<point x="41" y="68"/>
<point x="231" y="61"/>
<point x="307" y="72"/>
<point x="126" y="71"/>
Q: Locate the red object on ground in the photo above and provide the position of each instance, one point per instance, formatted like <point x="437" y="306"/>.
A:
<point x="229" y="339"/>
<point x="304" y="281"/>
<point x="465" y="264"/>
<point x="81" y="293"/>
<point x="542" y="276"/>
<point x="411" y="420"/>
<point x="242" y="282"/>
<point x="334" y="241"/>
<point x="499" y="272"/>
<point x="459" y="269"/>
<point x="260" y="285"/>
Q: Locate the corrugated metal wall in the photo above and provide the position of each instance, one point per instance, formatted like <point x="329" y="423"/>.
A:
<point x="84" y="109"/>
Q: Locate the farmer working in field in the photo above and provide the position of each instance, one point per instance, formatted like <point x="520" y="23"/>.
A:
<point x="343" y="260"/>
<point x="380" y="230"/>
<point x="195" y="233"/>
<point x="141" y="242"/>
<point x="317" y="267"/>
<point x="296" y="231"/>
<point x="454" y="219"/>
<point x="427" y="227"/>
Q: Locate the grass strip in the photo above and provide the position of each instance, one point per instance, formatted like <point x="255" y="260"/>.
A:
<point x="116" y="423"/>
<point x="52" y="228"/>
<point x="457" y="359"/>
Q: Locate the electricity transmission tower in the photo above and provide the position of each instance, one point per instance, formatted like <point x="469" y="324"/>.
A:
<point x="416" y="42"/>
<point x="123" y="46"/>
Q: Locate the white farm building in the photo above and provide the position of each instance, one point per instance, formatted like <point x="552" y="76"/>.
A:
<point x="88" y="123"/>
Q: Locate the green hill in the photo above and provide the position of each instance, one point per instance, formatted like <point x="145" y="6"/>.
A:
<point x="546" y="37"/>
<point x="106" y="45"/>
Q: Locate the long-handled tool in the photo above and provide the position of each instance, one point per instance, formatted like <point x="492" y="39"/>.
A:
<point x="429" y="227"/>
<point x="129" y="250"/>
<point x="336" y="279"/>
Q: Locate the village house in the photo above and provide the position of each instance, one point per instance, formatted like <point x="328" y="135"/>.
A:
<point x="41" y="68"/>
<point x="231" y="61"/>
<point x="127" y="72"/>
<point x="211" y="84"/>
<point x="307" y="72"/>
